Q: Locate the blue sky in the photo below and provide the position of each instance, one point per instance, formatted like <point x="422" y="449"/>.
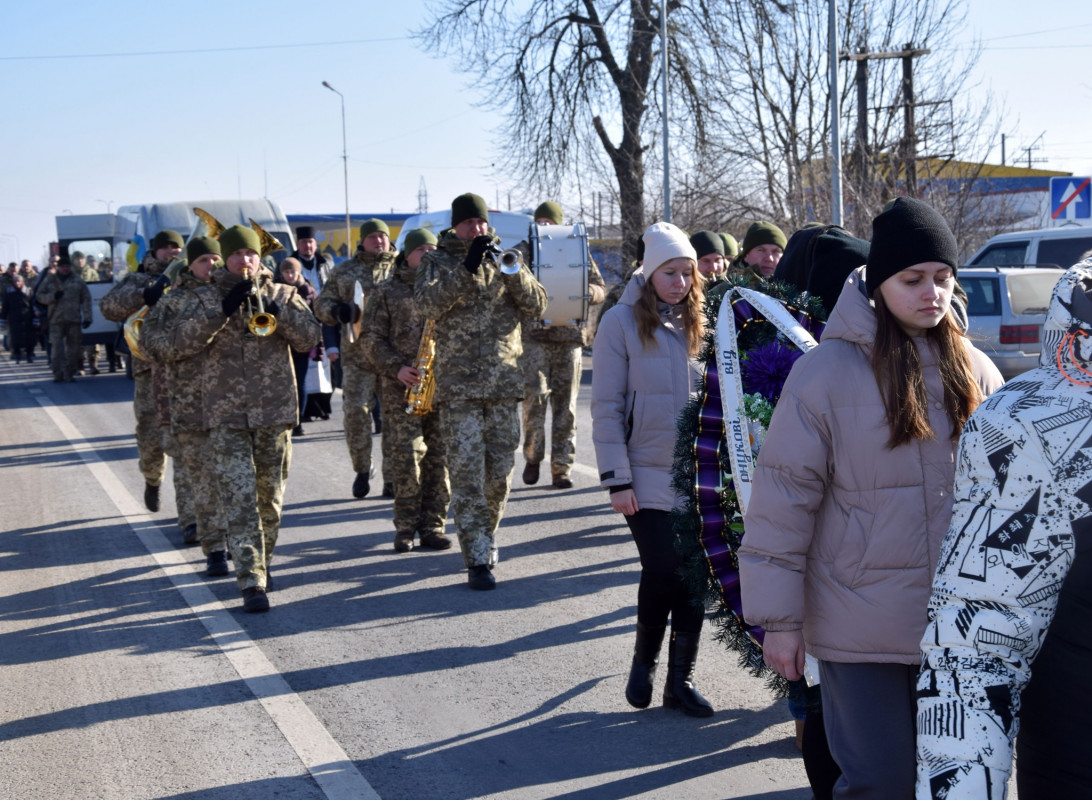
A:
<point x="86" y="134"/>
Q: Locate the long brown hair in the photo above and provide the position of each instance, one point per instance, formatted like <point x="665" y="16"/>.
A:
<point x="647" y="313"/>
<point x="896" y="364"/>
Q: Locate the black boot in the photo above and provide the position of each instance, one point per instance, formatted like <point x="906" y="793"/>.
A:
<point x="679" y="692"/>
<point x="646" y="655"/>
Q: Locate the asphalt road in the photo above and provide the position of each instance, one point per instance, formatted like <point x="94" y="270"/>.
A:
<point x="125" y="673"/>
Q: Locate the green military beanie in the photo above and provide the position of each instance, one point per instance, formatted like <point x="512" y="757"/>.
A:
<point x="373" y="225"/>
<point x="551" y="211"/>
<point x="468" y="206"/>
<point x="762" y="233"/>
<point x="731" y="246"/>
<point x="166" y="237"/>
<point x="200" y="246"/>
<point x="416" y="238"/>
<point x="706" y="243"/>
<point x="239" y="237"/>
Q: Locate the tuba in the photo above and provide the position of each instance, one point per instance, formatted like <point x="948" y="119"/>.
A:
<point x="206" y="224"/>
<point x="419" y="397"/>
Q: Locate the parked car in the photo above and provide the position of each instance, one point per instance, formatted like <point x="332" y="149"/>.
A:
<point x="1047" y="247"/>
<point x="1006" y="307"/>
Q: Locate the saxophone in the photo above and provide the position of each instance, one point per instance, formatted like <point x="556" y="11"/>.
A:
<point x="419" y="397"/>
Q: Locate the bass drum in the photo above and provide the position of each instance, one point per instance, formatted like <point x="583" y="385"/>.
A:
<point x="560" y="259"/>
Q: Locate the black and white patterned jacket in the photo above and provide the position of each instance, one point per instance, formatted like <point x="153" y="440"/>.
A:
<point x="1022" y="515"/>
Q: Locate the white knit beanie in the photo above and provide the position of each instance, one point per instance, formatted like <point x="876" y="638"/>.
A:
<point x="663" y="242"/>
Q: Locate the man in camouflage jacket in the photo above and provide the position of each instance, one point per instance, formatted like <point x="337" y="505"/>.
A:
<point x="185" y="383"/>
<point x="249" y="402"/>
<point x="478" y="310"/>
<point x="69" y="302"/>
<point x="551" y="375"/>
<point x="122" y="301"/>
<point x="413" y="449"/>
<point x="372" y="264"/>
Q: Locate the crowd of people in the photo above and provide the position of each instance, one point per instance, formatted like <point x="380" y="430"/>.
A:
<point x="911" y="528"/>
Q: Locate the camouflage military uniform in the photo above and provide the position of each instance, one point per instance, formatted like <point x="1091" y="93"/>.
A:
<point x="66" y="315"/>
<point x="413" y="450"/>
<point x="185" y="405"/>
<point x="551" y="375"/>
<point x="478" y="381"/>
<point x="121" y="302"/>
<point x="248" y="404"/>
<point x="359" y="381"/>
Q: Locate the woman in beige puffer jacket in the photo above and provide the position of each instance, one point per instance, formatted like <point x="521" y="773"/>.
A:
<point x="643" y="374"/>
<point x="852" y="495"/>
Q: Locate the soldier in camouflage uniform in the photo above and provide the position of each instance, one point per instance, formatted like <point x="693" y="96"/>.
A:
<point x="551" y="375"/>
<point x="185" y="383"/>
<point x="249" y="399"/>
<point x="122" y="301"/>
<point x="478" y="310"/>
<point x="69" y="303"/>
<point x="372" y="264"/>
<point x="762" y="248"/>
<point x="413" y="450"/>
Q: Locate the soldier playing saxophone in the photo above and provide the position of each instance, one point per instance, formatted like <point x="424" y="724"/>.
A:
<point x="413" y="450"/>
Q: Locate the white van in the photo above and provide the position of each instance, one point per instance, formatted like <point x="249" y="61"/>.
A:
<point x="1046" y="247"/>
<point x="512" y="227"/>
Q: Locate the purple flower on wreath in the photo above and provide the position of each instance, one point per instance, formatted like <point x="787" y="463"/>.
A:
<point x="765" y="369"/>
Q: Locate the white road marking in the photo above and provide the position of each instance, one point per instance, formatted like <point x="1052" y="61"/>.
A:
<point x="323" y="757"/>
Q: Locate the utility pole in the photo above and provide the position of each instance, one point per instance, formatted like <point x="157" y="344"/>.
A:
<point x="909" y="143"/>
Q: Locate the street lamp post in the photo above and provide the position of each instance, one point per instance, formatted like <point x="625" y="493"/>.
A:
<point x="109" y="204"/>
<point x="345" y="160"/>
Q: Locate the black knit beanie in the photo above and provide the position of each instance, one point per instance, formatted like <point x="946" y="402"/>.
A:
<point x="909" y="232"/>
<point x="706" y="243"/>
<point x="468" y="206"/>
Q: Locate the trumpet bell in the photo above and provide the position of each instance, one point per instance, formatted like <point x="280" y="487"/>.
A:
<point x="262" y="324"/>
<point x="131" y="331"/>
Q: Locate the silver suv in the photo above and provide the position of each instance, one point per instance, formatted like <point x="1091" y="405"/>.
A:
<point x="1006" y="308"/>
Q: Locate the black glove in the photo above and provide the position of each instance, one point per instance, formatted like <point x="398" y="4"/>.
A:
<point x="236" y="296"/>
<point x="476" y="252"/>
<point x="57" y="295"/>
<point x="86" y="324"/>
<point x="271" y="308"/>
<point x="347" y="313"/>
<point x="155" y="291"/>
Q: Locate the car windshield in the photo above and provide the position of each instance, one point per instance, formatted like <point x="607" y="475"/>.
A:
<point x="1030" y="294"/>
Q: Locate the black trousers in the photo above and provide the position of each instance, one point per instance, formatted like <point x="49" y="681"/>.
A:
<point x="662" y="592"/>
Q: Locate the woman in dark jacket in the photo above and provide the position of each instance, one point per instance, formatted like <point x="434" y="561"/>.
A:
<point x="16" y="308"/>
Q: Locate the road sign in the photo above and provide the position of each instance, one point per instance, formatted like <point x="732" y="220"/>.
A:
<point x="1071" y="198"/>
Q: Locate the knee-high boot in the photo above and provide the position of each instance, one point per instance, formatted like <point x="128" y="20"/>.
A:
<point x="646" y="655"/>
<point x="679" y="692"/>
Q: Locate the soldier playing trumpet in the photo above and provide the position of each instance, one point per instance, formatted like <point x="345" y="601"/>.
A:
<point x="413" y="452"/>
<point x="477" y="307"/>
<point x="249" y="393"/>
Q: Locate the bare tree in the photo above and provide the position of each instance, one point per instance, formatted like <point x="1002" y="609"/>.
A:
<point x="575" y="77"/>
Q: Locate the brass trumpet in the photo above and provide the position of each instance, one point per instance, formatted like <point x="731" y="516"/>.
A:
<point x="260" y="322"/>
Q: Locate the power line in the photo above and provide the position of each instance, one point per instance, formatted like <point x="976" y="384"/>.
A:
<point x="201" y="50"/>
